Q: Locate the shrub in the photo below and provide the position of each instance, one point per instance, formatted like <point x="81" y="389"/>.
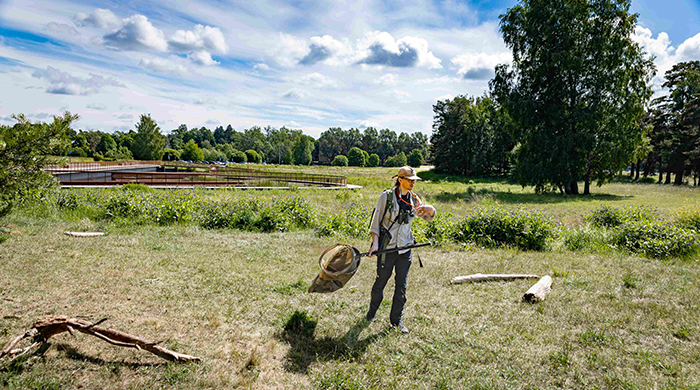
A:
<point x="170" y="155"/>
<point x="191" y="152"/>
<point x="298" y="210"/>
<point x="415" y="158"/>
<point x="688" y="218"/>
<point x="373" y="160"/>
<point x="353" y="222"/>
<point x="340" y="161"/>
<point x="253" y="156"/>
<point x="496" y="226"/>
<point x="356" y="158"/>
<point x="234" y="215"/>
<point x="68" y="200"/>
<point x="439" y="230"/>
<point x="610" y="217"/>
<point x="239" y="157"/>
<point x="657" y="239"/>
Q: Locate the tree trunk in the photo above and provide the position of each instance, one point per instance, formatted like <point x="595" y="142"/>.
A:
<point x="632" y="170"/>
<point x="490" y="278"/>
<point x="537" y="292"/>
<point x="587" y="186"/>
<point x="679" y="178"/>
<point x="668" y="178"/>
<point x="574" y="187"/>
<point x="661" y="174"/>
<point x="636" y="176"/>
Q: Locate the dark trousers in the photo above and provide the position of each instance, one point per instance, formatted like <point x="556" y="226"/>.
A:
<point x="401" y="263"/>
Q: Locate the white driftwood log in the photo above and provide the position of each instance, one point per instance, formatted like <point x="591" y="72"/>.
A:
<point x="489" y="278"/>
<point x="52" y="325"/>
<point x="537" y="292"/>
<point x="84" y="234"/>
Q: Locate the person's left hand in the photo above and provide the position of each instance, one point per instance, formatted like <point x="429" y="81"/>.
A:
<point x="425" y="209"/>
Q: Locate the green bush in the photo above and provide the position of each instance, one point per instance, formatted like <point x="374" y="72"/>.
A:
<point x="440" y="230"/>
<point x="688" y="218"/>
<point x="232" y="215"/>
<point x="495" y="226"/>
<point x="610" y="217"/>
<point x="373" y="160"/>
<point x="68" y="200"/>
<point x="239" y="157"/>
<point x="253" y="156"/>
<point x="356" y="157"/>
<point x="298" y="210"/>
<point x="657" y="239"/>
<point x="340" y="161"/>
<point x="353" y="222"/>
<point x="415" y="158"/>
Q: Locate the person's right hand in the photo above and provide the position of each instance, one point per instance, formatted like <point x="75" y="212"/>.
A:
<point x="373" y="248"/>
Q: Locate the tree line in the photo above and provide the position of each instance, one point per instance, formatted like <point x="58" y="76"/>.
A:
<point x="256" y="144"/>
<point x="574" y="105"/>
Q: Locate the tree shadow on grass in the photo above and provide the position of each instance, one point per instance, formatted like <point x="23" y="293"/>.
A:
<point x="474" y="195"/>
<point x="306" y="349"/>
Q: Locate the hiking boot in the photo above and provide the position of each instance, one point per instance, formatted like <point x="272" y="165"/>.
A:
<point x="401" y="327"/>
<point x="371" y="316"/>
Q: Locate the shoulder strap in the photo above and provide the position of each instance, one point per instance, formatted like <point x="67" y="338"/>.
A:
<point x="389" y="204"/>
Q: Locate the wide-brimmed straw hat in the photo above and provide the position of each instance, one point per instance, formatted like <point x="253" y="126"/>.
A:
<point x="408" y="173"/>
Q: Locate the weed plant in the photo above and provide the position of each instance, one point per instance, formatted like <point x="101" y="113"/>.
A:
<point x="496" y="226"/>
<point x="610" y="217"/>
<point x="656" y="239"/>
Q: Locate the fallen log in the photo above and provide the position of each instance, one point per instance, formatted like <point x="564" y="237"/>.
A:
<point x="49" y="326"/>
<point x="84" y="234"/>
<point x="489" y="278"/>
<point x="539" y="290"/>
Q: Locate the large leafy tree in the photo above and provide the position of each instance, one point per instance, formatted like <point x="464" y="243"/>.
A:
<point x="303" y="150"/>
<point x="577" y="90"/>
<point x="676" y="133"/>
<point x="24" y="151"/>
<point x="149" y="143"/>
<point x="471" y="137"/>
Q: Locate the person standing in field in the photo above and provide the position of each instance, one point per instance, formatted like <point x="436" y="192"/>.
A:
<point x="391" y="228"/>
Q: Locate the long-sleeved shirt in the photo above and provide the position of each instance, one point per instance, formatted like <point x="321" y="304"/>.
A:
<point x="401" y="234"/>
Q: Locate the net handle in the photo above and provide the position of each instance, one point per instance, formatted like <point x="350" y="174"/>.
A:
<point x="397" y="249"/>
<point x="342" y="271"/>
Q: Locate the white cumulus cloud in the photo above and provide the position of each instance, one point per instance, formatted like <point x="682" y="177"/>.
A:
<point x="317" y="80"/>
<point x="100" y="18"/>
<point x="137" y="34"/>
<point x="326" y="49"/>
<point x="201" y="38"/>
<point x="97" y="106"/>
<point x="202" y="57"/>
<point x="261" y="66"/>
<point x="289" y="50"/>
<point x="690" y="49"/>
<point x="61" y="29"/>
<point x="62" y="83"/>
<point x="480" y="66"/>
<point x="660" y="47"/>
<point x="387" y="79"/>
<point x="172" y="65"/>
<point x="380" y="48"/>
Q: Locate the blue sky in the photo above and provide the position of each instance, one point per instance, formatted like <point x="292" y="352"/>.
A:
<point x="307" y="65"/>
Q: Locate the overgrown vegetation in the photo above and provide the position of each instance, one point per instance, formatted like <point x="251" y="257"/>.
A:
<point x="211" y="269"/>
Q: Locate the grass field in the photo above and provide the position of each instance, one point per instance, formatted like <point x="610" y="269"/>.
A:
<point x="613" y="320"/>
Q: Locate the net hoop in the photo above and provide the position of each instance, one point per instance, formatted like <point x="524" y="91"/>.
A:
<point x="354" y="263"/>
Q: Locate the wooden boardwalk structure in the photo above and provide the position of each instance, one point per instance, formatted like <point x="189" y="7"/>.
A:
<point x="178" y="175"/>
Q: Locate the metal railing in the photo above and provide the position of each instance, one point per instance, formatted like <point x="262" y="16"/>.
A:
<point x="113" y="173"/>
